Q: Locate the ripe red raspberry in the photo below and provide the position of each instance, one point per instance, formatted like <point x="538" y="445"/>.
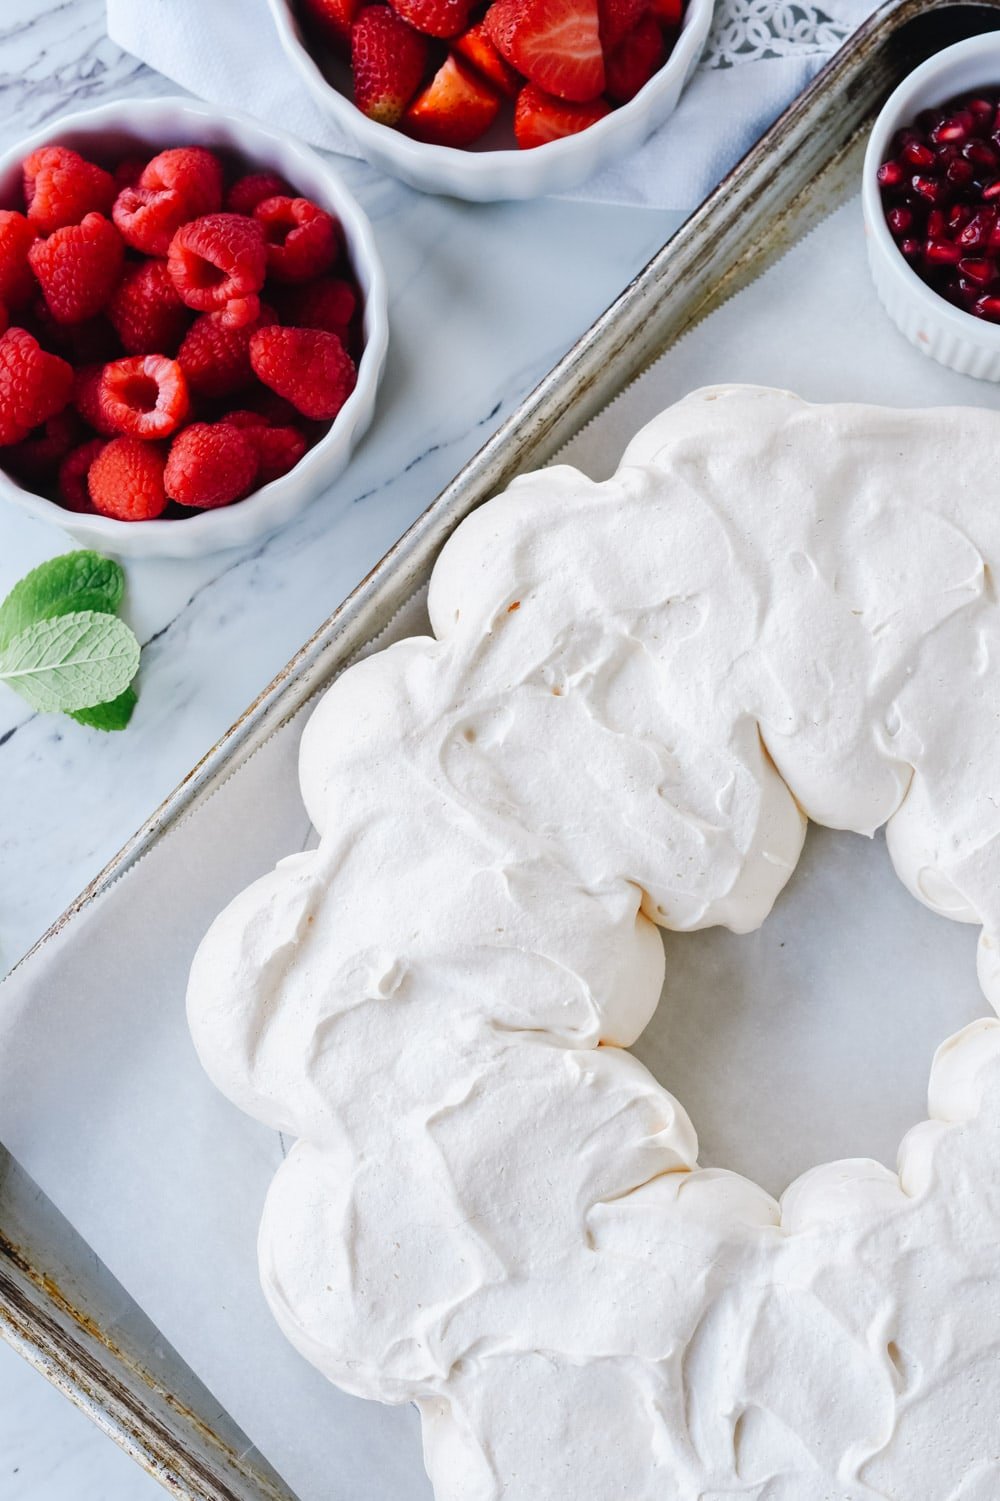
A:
<point x="216" y="358"/>
<point x="388" y="59"/>
<point x="91" y="342"/>
<point x="210" y="464"/>
<point x="175" y="187"/>
<point x="125" y="480"/>
<point x="60" y="188"/>
<point x="278" y="448"/>
<point x="73" y="471"/>
<point x="218" y="264"/>
<point x="302" y="239"/>
<point x="38" y="457"/>
<point x="308" y="366"/>
<point x="246" y="192"/>
<point x="146" y="311"/>
<point x="87" y="398"/>
<point x="34" y="385"/>
<point x="329" y="302"/>
<point x="145" y="396"/>
<point x="17" y="284"/>
<point x="78" y="268"/>
<point x="128" y="171"/>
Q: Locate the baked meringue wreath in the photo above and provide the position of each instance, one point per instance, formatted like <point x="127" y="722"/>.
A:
<point x="636" y="694"/>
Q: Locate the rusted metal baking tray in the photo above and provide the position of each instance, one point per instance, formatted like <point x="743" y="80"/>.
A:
<point x="58" y="1305"/>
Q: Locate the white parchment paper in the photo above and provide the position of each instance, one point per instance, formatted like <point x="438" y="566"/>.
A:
<point x="818" y="1030"/>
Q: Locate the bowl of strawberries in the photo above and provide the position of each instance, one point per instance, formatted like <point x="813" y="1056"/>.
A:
<point x="488" y="99"/>
<point x="192" y="327"/>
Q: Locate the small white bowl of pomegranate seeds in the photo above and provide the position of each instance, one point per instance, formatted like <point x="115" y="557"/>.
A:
<point x="489" y="99"/>
<point x="192" y="327"/>
<point x="931" y="199"/>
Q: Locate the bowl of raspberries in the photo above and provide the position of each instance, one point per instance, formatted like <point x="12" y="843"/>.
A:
<point x="192" y="327"/>
<point x="487" y="99"/>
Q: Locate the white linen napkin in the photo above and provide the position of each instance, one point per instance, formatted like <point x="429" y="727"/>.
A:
<point x="760" y="54"/>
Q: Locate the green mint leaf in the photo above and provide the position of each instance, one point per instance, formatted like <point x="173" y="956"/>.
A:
<point x="72" y="582"/>
<point x="112" y="716"/>
<point x="71" y="662"/>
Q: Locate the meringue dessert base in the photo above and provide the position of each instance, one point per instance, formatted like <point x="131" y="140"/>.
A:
<point x="635" y="694"/>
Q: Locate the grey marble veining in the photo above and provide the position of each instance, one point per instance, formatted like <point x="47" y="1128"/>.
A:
<point x="483" y="300"/>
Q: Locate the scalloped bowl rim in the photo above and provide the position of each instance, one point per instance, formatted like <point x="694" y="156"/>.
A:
<point x="270" y="507"/>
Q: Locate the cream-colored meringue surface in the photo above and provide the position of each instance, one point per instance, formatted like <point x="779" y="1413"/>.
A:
<point x="635" y="693"/>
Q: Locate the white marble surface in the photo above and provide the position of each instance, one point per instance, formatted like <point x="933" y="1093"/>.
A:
<point x="483" y="301"/>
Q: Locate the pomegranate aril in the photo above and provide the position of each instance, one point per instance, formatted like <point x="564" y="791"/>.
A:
<point x="989" y="308"/>
<point x="980" y="155"/>
<point x="957" y="127"/>
<point x="958" y="216"/>
<point x="930" y="188"/>
<point x="942" y="253"/>
<point x="978" y="229"/>
<point x="891" y="174"/>
<point x="911" y="248"/>
<point x="900" y="220"/>
<point x="935" y="224"/>
<point x="917" y="154"/>
<point x="980" y="271"/>
<point x="959" y="172"/>
<point x="982" y="111"/>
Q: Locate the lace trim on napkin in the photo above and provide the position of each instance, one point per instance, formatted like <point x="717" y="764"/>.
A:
<point x="749" y="31"/>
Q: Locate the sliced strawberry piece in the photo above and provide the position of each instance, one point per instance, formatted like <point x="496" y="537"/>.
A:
<point x="476" y="48"/>
<point x="669" y="13"/>
<point x="455" y="109"/>
<point x="332" y="20"/>
<point x="617" y="18"/>
<point x="538" y="118"/>
<point x="441" y="18"/>
<point x="635" y="60"/>
<point x="554" y="43"/>
<point x="389" y="59"/>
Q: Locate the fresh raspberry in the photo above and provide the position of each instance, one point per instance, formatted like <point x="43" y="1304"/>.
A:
<point x="78" y="268"/>
<point x="278" y="448"/>
<point x="145" y="396"/>
<point x="538" y="118"/>
<point x="218" y="263"/>
<point x="38" y="457"/>
<point x="17" y="284"/>
<point x="128" y="171"/>
<point x="331" y="20"/>
<point x="216" y="358"/>
<point x="4" y="319"/>
<point x="553" y="43"/>
<point x="389" y="59"/>
<point x="87" y="399"/>
<point x="328" y="302"/>
<point x="246" y="192"/>
<point x="125" y="480"/>
<point x="302" y="239"/>
<point x="616" y="18"/>
<point x="91" y="342"/>
<point x="34" y="385"/>
<point x="146" y="312"/>
<point x="210" y="464"/>
<point x="476" y="48"/>
<point x="73" y="471"/>
<point x="60" y="188"/>
<point x="441" y="18"/>
<point x="455" y="108"/>
<point x="269" y="407"/>
<point x="635" y="60"/>
<point x="174" y="188"/>
<point x="308" y="366"/>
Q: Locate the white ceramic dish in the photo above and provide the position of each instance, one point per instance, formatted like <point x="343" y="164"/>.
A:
<point x="118" y="129"/>
<point x="947" y="334"/>
<point x="485" y="174"/>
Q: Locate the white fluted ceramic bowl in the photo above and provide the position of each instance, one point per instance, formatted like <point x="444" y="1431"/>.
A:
<point x="947" y="334"/>
<point x="116" y="130"/>
<point x="481" y="173"/>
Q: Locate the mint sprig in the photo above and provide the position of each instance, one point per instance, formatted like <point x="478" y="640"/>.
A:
<point x="62" y="646"/>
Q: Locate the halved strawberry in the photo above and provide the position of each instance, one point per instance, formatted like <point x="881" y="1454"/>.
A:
<point x="455" y="108"/>
<point x="332" y="20"/>
<point x="635" y="60"/>
<point x="617" y="18"/>
<point x="443" y="18"/>
<point x="554" y="43"/>
<point x="388" y="58"/>
<point x="669" y="13"/>
<point x="476" y="48"/>
<point x="538" y="118"/>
